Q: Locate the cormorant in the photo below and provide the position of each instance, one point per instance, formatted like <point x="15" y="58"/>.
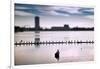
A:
<point x="57" y="55"/>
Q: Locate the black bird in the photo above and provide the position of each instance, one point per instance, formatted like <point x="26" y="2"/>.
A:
<point x="57" y="55"/>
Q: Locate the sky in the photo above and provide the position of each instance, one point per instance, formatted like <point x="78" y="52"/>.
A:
<point x="51" y="15"/>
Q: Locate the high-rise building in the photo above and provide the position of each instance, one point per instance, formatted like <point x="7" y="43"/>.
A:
<point x="37" y="25"/>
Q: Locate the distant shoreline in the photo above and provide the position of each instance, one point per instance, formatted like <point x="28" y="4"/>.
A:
<point x="22" y="29"/>
<point x="54" y="31"/>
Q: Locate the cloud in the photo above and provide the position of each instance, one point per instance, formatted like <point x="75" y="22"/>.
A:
<point x="22" y="13"/>
<point x="90" y="17"/>
<point x="53" y="10"/>
<point x="87" y="11"/>
<point x="20" y="7"/>
<point x="48" y="11"/>
<point x="70" y="10"/>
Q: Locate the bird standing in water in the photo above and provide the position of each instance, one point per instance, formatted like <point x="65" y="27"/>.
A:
<point x="57" y="55"/>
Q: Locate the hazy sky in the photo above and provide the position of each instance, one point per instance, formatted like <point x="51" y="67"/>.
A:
<point x="53" y="15"/>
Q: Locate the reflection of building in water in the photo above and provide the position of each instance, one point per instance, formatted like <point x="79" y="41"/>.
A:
<point x="37" y="33"/>
<point x="37" y="24"/>
<point x="37" y="39"/>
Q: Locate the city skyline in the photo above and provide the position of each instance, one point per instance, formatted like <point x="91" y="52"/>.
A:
<point x="73" y="16"/>
<point x="53" y="28"/>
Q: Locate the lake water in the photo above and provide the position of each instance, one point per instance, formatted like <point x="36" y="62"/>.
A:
<point x="41" y="54"/>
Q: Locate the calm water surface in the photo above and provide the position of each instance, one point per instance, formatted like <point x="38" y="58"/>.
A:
<point x="40" y="54"/>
